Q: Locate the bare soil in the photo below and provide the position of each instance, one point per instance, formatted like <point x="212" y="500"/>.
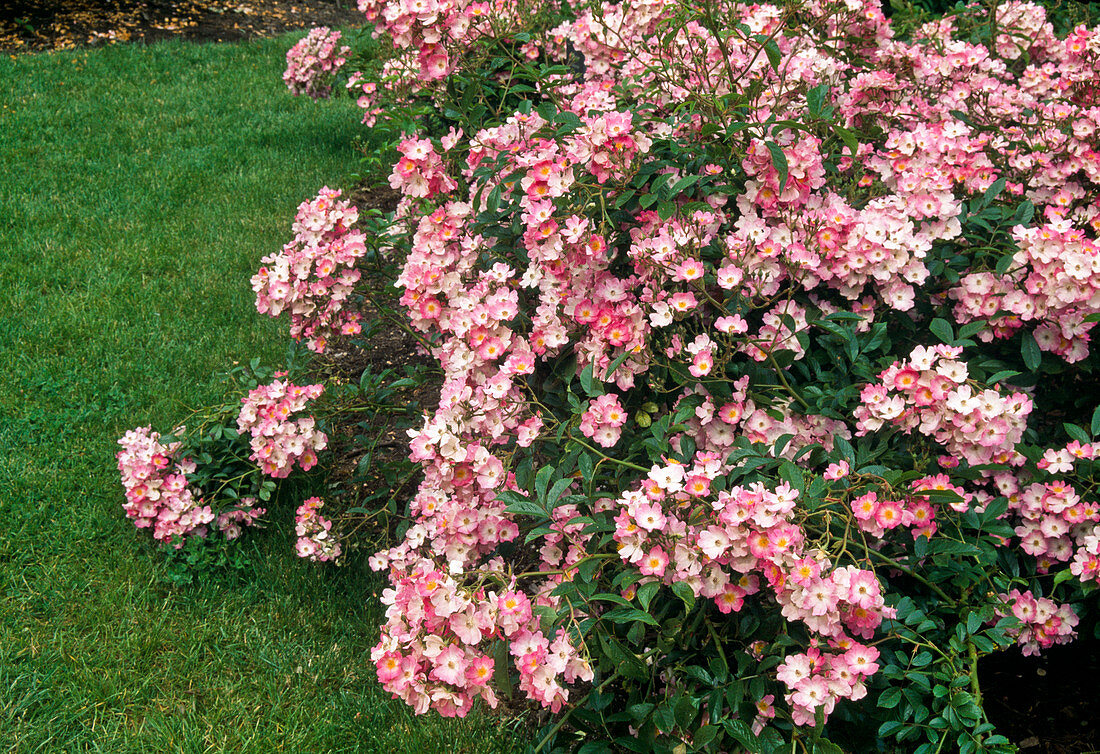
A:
<point x="37" y="25"/>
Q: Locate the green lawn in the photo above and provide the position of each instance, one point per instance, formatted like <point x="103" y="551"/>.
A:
<point x="139" y="187"/>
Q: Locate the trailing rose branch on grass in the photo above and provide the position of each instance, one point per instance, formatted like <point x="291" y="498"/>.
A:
<point x="768" y="400"/>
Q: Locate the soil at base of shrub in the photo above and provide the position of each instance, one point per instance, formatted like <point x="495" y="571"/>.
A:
<point x="37" y="25"/>
<point x="1046" y="704"/>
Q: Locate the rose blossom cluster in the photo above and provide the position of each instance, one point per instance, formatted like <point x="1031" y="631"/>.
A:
<point x="818" y="679"/>
<point x="432" y="653"/>
<point x="1054" y="281"/>
<point x="279" y="440"/>
<point x="726" y="546"/>
<point x="1054" y="519"/>
<point x="1057" y="521"/>
<point x="569" y="258"/>
<point x="876" y="513"/>
<point x="315" y="538"/>
<point x="716" y="426"/>
<point x="1049" y="154"/>
<point x="246" y="513"/>
<point x="485" y="360"/>
<point x="428" y="41"/>
<point x="432" y="34"/>
<point x="420" y="172"/>
<point x="313" y="276"/>
<point x="603" y="420"/>
<point x="312" y="63"/>
<point x="158" y="496"/>
<point x="930" y="393"/>
<point x="1044" y="622"/>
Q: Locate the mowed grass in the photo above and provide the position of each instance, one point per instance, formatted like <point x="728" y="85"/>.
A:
<point x="139" y="188"/>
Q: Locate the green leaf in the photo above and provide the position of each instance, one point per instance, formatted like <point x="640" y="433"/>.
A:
<point x="705" y="735"/>
<point x="848" y="138"/>
<point x="743" y="734"/>
<point x="536" y="533"/>
<point x="686" y="710"/>
<point x="779" y="160"/>
<point x="1004" y="263"/>
<point x="889" y="698"/>
<point x="993" y="191"/>
<point x="590" y="386"/>
<point x="1076" y="432"/>
<point x="921" y="659"/>
<point x="526" y="508"/>
<point x="665" y="717"/>
<point x="618" y="599"/>
<point x="952" y="547"/>
<point x="771" y="49"/>
<point x="1029" y="350"/>
<point x="492" y="204"/>
<point x="960" y="115"/>
<point x="1061" y="576"/>
<point x="626" y="662"/>
<point x="889" y="728"/>
<point x="623" y="198"/>
<point x="1024" y="213"/>
<point x="587" y="466"/>
<point x="994" y="510"/>
<point x="630" y="615"/>
<point x="509" y="497"/>
<point x="700" y="675"/>
<point x="847" y="452"/>
<point x="587" y="570"/>
<point x="1095" y="426"/>
<point x="827" y="747"/>
<point x="941" y="328"/>
<point x="614" y="365"/>
<point x="792" y="475"/>
<point x="685" y="593"/>
<point x="685" y="182"/>
<point x="815" y="99"/>
<point x="972" y="328"/>
<point x="639" y="712"/>
<point x="1002" y="375"/>
<point x="556" y="491"/>
<point x="542" y="481"/>
<point x="502" y="661"/>
<point x="646" y="592"/>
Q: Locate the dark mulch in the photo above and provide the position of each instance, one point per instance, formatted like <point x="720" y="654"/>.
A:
<point x="1046" y="704"/>
<point x="36" y="25"/>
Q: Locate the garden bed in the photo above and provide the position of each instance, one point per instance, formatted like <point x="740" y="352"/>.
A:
<point x="37" y="25"/>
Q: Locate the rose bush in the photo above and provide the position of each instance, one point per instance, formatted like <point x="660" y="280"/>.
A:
<point x="763" y="308"/>
<point x="768" y="402"/>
